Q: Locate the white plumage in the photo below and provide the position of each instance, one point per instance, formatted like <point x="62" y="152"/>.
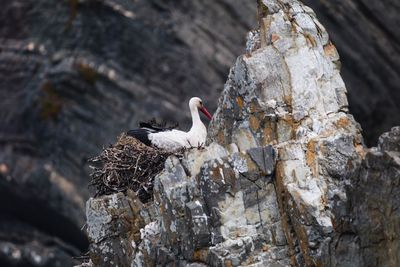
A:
<point x="173" y="140"/>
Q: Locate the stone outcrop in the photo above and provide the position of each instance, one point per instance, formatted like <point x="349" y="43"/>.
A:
<point x="375" y="207"/>
<point x="74" y="74"/>
<point x="220" y="214"/>
<point x="370" y="238"/>
<point x="288" y="91"/>
<point x="285" y="179"/>
<point x="71" y="81"/>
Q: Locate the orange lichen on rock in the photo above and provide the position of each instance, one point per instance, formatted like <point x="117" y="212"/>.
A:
<point x="283" y="199"/>
<point x="228" y="263"/>
<point x="255" y="107"/>
<point x="288" y="101"/>
<point x="254" y="123"/>
<point x="330" y="50"/>
<point x="239" y="101"/>
<point x="311" y="155"/>
<point x="200" y="255"/>
<point x="303" y="241"/>
<point x="221" y="137"/>
<point x="269" y="132"/>
<point x="274" y="37"/>
<point x="360" y="149"/>
<point x="343" y="122"/>
<point x="286" y="128"/>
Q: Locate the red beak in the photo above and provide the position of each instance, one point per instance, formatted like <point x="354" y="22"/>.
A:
<point x="205" y="112"/>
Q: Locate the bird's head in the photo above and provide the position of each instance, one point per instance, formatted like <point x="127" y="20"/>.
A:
<point x="196" y="102"/>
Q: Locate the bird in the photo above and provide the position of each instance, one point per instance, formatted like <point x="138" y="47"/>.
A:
<point x="173" y="140"/>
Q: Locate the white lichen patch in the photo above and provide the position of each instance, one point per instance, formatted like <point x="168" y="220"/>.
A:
<point x="196" y="158"/>
<point x="97" y="219"/>
<point x="231" y="211"/>
<point x="239" y="164"/>
<point x="150" y="230"/>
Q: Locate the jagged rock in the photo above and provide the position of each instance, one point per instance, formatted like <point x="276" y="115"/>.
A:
<point x="289" y="93"/>
<point x="390" y="141"/>
<point x="76" y="73"/>
<point x="230" y="204"/>
<point x="69" y="74"/>
<point x="285" y="179"/>
<point x="117" y="224"/>
<point x="375" y="207"/>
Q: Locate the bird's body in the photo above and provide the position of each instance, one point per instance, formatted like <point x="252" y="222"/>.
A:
<point x="172" y="139"/>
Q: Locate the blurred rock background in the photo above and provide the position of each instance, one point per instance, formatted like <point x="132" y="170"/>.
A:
<point x="76" y="73"/>
<point x="367" y="36"/>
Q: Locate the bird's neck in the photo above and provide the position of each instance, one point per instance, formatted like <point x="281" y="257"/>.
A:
<point x="196" y="121"/>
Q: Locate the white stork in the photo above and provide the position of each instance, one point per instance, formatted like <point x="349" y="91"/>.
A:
<point x="171" y="139"/>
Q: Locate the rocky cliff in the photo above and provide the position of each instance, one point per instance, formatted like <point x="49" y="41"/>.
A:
<point x="285" y="179"/>
<point x="74" y="74"/>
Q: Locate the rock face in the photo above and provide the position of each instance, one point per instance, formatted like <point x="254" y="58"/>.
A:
<point x="375" y="201"/>
<point x="218" y="214"/>
<point x="74" y="74"/>
<point x="285" y="179"/>
<point x="287" y="91"/>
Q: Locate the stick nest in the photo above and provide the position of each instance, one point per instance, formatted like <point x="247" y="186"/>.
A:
<point x="128" y="164"/>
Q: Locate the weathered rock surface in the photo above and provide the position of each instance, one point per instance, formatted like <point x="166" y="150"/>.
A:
<point x="245" y="213"/>
<point x="74" y="74"/>
<point x="218" y="214"/>
<point x="235" y="203"/>
<point x="285" y="179"/>
<point x="288" y="92"/>
<point x="375" y="207"/>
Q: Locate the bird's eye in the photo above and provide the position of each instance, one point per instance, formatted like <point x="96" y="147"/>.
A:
<point x="201" y="103"/>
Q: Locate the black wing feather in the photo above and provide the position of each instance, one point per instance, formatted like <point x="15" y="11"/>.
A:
<point x="150" y="126"/>
<point x="146" y="128"/>
<point x="141" y="134"/>
<point x="159" y="127"/>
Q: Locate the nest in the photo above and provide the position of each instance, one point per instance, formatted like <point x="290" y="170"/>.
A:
<point x="128" y="164"/>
